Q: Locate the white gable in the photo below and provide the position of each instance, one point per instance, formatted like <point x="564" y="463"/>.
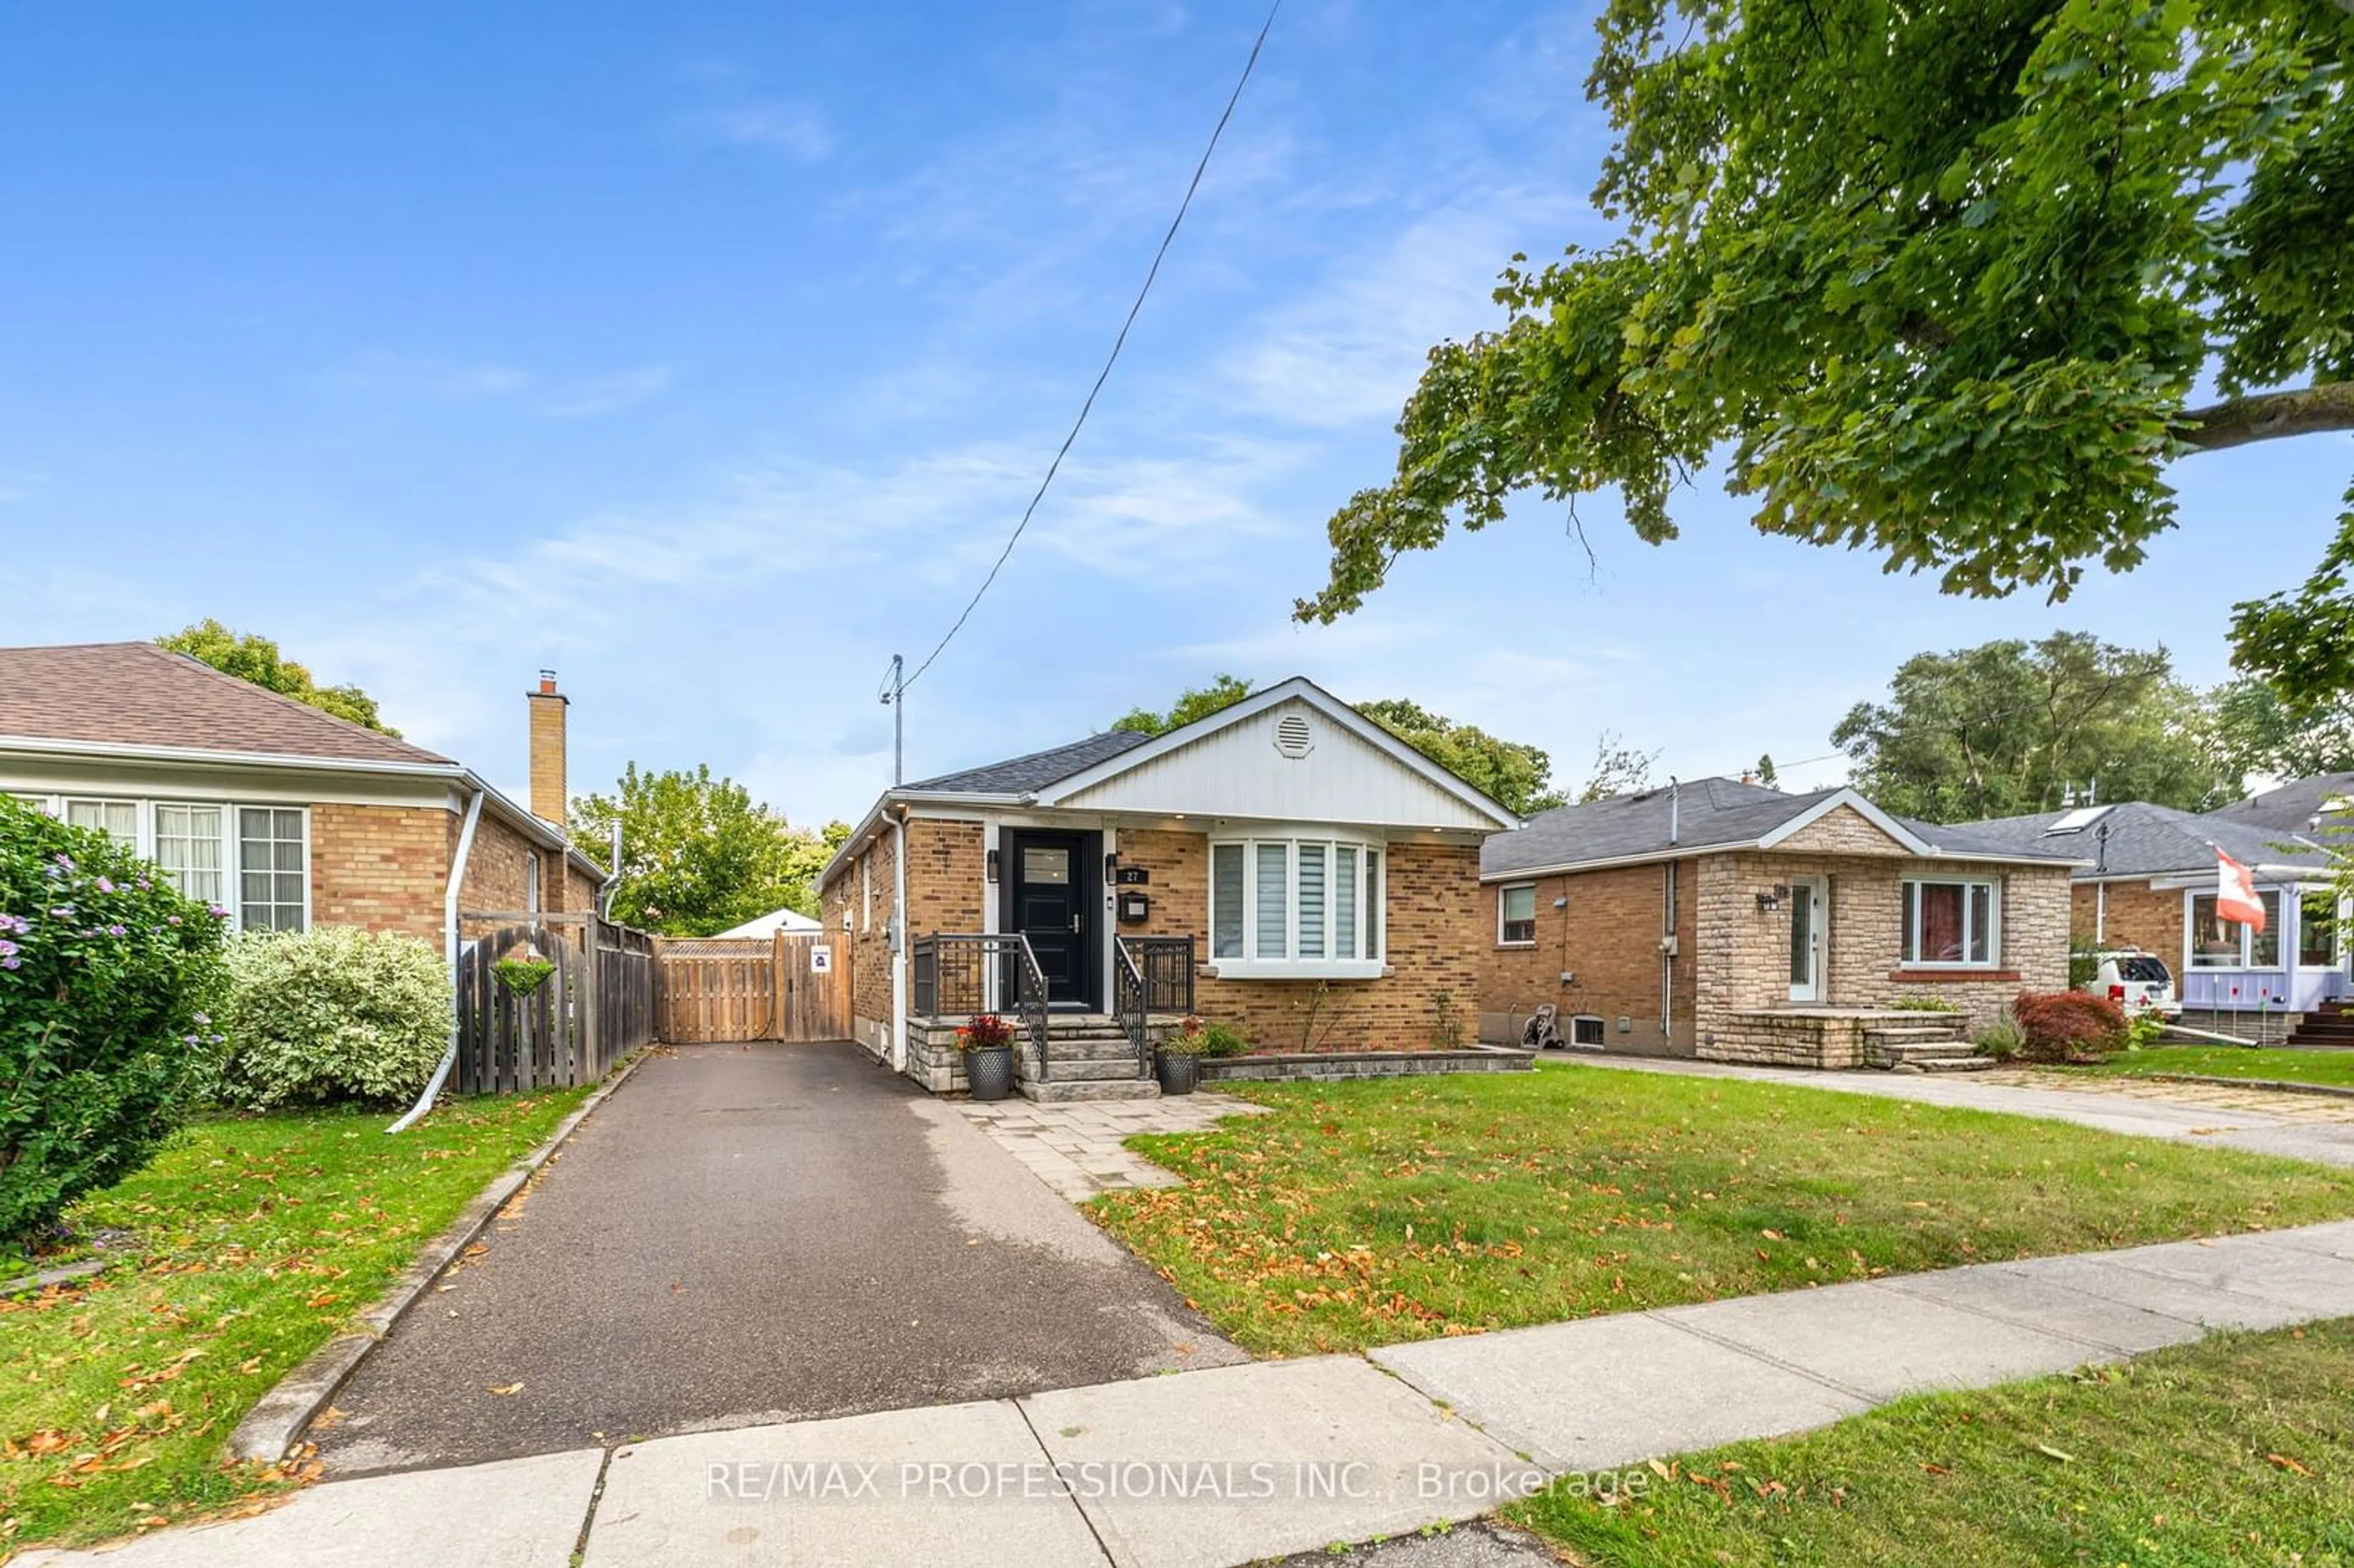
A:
<point x="1289" y="761"/>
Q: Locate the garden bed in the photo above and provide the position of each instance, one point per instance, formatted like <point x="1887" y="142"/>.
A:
<point x="1368" y="1212"/>
<point x="1277" y="1067"/>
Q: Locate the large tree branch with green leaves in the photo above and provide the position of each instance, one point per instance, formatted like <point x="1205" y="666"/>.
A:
<point x="1935" y="280"/>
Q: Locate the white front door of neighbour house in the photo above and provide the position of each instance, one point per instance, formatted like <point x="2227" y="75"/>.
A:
<point x="1808" y="910"/>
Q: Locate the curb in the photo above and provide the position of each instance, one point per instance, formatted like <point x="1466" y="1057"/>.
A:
<point x="49" y="1276"/>
<point x="275" y="1423"/>
<point x="2278" y="1085"/>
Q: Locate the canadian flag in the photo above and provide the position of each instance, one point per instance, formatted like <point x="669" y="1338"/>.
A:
<point x="2235" y="893"/>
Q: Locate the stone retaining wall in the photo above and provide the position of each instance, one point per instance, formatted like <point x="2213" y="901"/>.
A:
<point x="1330" y="1065"/>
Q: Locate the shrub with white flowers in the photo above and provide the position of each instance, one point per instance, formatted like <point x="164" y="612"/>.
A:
<point x="333" y="1015"/>
<point x="108" y="983"/>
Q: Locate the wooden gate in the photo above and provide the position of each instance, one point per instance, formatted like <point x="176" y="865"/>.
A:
<point x="593" y="1007"/>
<point x="715" y="989"/>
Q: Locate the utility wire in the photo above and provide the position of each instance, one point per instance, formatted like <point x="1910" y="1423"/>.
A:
<point x="1117" y="343"/>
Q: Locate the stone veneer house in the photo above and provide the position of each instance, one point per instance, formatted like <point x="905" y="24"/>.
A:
<point x="286" y="816"/>
<point x="1285" y="866"/>
<point x="2148" y="880"/>
<point x="1727" y="920"/>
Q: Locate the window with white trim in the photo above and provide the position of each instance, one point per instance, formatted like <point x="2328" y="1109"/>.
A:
<point x="2219" y="944"/>
<point x="1516" y="915"/>
<point x="118" y="819"/>
<point x="1952" y="924"/>
<point x="531" y="882"/>
<point x="1295" y="905"/>
<point x="273" y="892"/>
<point x="188" y="846"/>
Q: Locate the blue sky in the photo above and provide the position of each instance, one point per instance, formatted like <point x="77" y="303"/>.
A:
<point x="708" y="353"/>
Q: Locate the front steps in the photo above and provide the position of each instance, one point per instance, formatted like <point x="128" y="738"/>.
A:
<point x="1089" y="1057"/>
<point x="1933" y="1044"/>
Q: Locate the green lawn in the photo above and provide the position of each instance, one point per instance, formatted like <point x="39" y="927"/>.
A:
<point x="1362" y="1213"/>
<point x="2234" y="1450"/>
<point x="2233" y="1062"/>
<point x="258" y="1239"/>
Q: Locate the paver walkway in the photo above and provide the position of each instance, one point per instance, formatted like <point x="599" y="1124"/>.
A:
<point x="2283" y="1104"/>
<point x="2326" y="1140"/>
<point x="1075" y="1148"/>
<point x="1230" y="1465"/>
<point x="748" y="1234"/>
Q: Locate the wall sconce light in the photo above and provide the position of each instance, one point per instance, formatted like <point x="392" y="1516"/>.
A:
<point x="1768" y="900"/>
<point x="992" y="865"/>
<point x="1111" y="865"/>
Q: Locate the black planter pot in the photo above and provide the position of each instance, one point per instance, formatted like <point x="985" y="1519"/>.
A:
<point x="1178" y="1074"/>
<point x="988" y="1072"/>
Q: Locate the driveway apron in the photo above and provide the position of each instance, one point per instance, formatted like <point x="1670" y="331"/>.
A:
<point x="745" y="1234"/>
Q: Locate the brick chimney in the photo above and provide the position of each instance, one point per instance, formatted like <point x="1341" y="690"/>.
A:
<point x="548" y="705"/>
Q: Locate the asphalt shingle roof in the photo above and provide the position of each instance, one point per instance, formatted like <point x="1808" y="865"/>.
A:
<point x="1018" y="774"/>
<point x="1708" y="811"/>
<point x="2291" y="808"/>
<point x="135" y="694"/>
<point x="2153" y="840"/>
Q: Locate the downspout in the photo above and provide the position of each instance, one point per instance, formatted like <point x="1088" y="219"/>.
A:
<point x="450" y="947"/>
<point x="899" y="940"/>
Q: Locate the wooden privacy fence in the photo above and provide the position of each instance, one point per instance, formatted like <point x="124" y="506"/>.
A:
<point x="724" y="989"/>
<point x="594" y="1008"/>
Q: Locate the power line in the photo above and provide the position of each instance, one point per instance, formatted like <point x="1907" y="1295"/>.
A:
<point x="1117" y="343"/>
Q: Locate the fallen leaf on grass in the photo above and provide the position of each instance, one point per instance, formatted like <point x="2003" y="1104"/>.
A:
<point x="511" y="1388"/>
<point x="2283" y="1462"/>
<point x="2049" y="1452"/>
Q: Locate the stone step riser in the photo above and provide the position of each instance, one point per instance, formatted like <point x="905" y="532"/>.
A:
<point x="1061" y="1091"/>
<point x="1082" y="1072"/>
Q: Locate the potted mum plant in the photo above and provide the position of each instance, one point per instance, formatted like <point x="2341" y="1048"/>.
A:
<point x="1178" y="1061"/>
<point x="987" y="1041"/>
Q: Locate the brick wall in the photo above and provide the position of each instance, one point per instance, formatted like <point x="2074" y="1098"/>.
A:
<point x="1746" y="950"/>
<point x="947" y="876"/>
<point x="548" y="781"/>
<point x="382" y="867"/>
<point x="2140" y="915"/>
<point x="1845" y="831"/>
<point x="494" y="873"/>
<point x="863" y="926"/>
<point x="1607" y="937"/>
<point x="1432" y="923"/>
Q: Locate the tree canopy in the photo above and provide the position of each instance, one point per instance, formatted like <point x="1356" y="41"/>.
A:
<point x="2010" y="728"/>
<point x="1194" y="703"/>
<point x="699" y="854"/>
<point x="2252" y="730"/>
<point x="254" y="658"/>
<point x="1938" y="279"/>
<point x="1516" y="776"/>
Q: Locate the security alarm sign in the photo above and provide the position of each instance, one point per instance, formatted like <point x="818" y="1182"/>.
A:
<point x="820" y="958"/>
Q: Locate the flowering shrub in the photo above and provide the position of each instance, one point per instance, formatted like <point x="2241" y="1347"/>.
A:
<point x="984" y="1030"/>
<point x="333" y="1014"/>
<point x="107" y="974"/>
<point x="2060" y="1025"/>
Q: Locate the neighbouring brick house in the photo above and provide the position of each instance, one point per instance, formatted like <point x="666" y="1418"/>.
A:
<point x="1723" y="919"/>
<point x="2148" y="881"/>
<point x="1312" y="880"/>
<point x="286" y="816"/>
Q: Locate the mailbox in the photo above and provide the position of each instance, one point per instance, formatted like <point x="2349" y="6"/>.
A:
<point x="1135" y="908"/>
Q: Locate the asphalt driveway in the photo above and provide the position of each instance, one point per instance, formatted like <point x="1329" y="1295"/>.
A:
<point x="744" y="1235"/>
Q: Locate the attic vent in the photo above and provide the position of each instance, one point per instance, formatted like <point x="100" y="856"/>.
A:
<point x="1293" y="738"/>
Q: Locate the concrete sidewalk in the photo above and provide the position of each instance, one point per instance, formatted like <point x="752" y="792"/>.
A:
<point x="1226" y="1466"/>
<point x="2295" y="1137"/>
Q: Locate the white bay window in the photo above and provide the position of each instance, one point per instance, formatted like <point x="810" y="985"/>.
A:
<point x="1308" y="907"/>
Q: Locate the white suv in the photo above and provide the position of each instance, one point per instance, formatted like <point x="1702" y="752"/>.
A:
<point x="2137" y="982"/>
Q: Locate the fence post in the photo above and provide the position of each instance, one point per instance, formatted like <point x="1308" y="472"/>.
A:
<point x="588" y="1049"/>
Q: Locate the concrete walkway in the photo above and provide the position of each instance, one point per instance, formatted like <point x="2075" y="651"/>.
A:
<point x="1075" y="1147"/>
<point x="757" y="1233"/>
<point x="2188" y="1116"/>
<point x="1230" y="1465"/>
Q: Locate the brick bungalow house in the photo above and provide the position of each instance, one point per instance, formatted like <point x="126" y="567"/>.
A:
<point x="286" y="816"/>
<point x="1285" y="866"/>
<point x="1727" y="920"/>
<point x="2148" y="880"/>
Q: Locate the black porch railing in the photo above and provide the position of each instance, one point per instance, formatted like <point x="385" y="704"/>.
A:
<point x="958" y="975"/>
<point x="1150" y="975"/>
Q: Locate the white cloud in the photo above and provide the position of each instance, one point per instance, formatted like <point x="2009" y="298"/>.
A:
<point x="596" y="394"/>
<point x="796" y="130"/>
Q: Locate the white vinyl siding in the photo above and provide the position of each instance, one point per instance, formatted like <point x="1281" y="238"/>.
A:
<point x="1306" y="907"/>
